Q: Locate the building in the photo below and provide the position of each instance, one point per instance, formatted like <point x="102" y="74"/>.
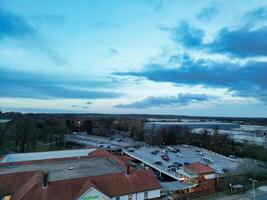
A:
<point x="201" y="176"/>
<point x="193" y="125"/>
<point x="85" y="174"/>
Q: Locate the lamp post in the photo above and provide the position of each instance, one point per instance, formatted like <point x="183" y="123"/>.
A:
<point x="79" y="124"/>
<point x="253" y="185"/>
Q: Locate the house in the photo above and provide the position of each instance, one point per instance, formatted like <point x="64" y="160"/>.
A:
<point x="97" y="175"/>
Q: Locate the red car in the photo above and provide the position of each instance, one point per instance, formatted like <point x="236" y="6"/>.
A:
<point x="165" y="157"/>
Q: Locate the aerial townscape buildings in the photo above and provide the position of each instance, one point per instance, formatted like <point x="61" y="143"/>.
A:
<point x="83" y="174"/>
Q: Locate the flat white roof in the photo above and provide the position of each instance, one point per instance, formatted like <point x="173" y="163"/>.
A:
<point x="18" y="157"/>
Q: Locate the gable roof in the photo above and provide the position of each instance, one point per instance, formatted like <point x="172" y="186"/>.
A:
<point x="28" y="186"/>
<point x="112" y="185"/>
<point x="199" y="168"/>
<point x="10" y="183"/>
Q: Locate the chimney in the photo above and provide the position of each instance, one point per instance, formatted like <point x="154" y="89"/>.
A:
<point x="45" y="179"/>
<point x="128" y="168"/>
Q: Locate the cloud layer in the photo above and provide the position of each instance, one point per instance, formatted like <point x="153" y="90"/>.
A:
<point x="174" y="101"/>
<point x="39" y="86"/>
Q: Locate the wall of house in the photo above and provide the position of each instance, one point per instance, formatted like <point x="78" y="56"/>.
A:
<point x="141" y="195"/>
<point x="93" y="194"/>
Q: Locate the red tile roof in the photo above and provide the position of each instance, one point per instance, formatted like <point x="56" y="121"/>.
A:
<point x="199" y="168"/>
<point x="111" y="185"/>
<point x="35" y="180"/>
<point x="10" y="183"/>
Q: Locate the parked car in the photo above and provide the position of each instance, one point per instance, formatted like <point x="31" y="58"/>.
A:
<point x="208" y="160"/>
<point x="165" y="157"/>
<point x="172" y="169"/>
<point x="179" y="155"/>
<point x="178" y="164"/>
<point x="164" y="152"/>
<point x="154" y="152"/>
<point x="233" y="157"/>
<point x="200" y="153"/>
<point x="186" y="163"/>
<point x="197" y="150"/>
<point x="109" y="138"/>
<point x="118" y="140"/>
<point x="131" y="150"/>
<point x="158" y="163"/>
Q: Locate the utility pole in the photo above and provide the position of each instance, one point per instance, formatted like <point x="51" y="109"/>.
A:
<point x="253" y="185"/>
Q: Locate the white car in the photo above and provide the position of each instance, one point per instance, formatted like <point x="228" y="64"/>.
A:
<point x="179" y="155"/>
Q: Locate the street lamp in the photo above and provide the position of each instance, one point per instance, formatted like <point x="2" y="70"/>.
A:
<point x="79" y="124"/>
<point x="253" y="185"/>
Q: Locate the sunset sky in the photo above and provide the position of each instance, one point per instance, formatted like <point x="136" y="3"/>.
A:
<point x="151" y="56"/>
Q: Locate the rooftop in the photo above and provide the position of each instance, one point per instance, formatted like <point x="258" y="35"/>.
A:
<point x="199" y="168"/>
<point x="19" y="157"/>
<point x="69" y="169"/>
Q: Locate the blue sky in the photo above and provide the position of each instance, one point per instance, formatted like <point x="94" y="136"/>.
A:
<point x="151" y="56"/>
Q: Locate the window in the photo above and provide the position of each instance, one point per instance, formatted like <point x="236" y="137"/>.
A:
<point x="117" y="198"/>
<point x="130" y="197"/>
<point x="145" y="195"/>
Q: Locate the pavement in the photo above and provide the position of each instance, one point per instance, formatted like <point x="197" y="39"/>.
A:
<point x="101" y="142"/>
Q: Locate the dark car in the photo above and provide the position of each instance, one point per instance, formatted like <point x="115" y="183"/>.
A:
<point x="158" y="163"/>
<point x="177" y="164"/>
<point x="186" y="163"/>
<point x="165" y="157"/>
<point x="154" y="152"/>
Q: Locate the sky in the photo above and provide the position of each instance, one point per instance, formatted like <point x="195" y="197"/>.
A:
<point x="200" y="58"/>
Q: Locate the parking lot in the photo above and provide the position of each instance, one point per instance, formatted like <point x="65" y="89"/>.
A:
<point x="186" y="155"/>
<point x="114" y="143"/>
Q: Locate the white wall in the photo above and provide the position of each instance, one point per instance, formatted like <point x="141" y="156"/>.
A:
<point x="141" y="195"/>
<point x="154" y="194"/>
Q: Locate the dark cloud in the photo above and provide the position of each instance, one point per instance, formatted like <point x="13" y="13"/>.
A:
<point x="187" y="35"/>
<point x="248" y="80"/>
<point x="208" y="13"/>
<point x="85" y="107"/>
<point x="242" y="42"/>
<point x="74" y="106"/>
<point x="175" y="101"/>
<point x="12" y="25"/>
<point x="18" y="27"/>
<point x="38" y="86"/>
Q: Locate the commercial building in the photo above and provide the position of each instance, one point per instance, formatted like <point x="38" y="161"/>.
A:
<point x="193" y="125"/>
<point x="85" y="174"/>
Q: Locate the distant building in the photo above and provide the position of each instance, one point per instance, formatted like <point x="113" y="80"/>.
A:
<point x="193" y="125"/>
<point x="87" y="174"/>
